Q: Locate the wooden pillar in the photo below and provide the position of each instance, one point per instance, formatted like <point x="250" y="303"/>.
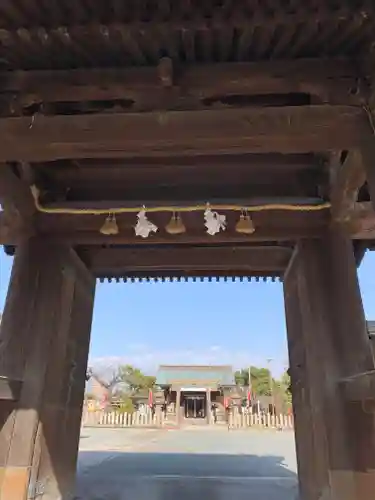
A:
<point x="178" y="406"/>
<point x="44" y="341"/>
<point x="208" y="408"/>
<point x="327" y="343"/>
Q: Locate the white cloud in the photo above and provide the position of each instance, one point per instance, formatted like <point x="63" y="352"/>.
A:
<point x="148" y="359"/>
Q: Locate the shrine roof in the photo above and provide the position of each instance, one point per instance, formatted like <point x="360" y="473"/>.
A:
<point x="168" y="374"/>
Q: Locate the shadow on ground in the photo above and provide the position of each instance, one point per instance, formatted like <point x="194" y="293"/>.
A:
<point x="167" y="476"/>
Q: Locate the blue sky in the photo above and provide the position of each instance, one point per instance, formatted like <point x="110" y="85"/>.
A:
<point x="146" y="324"/>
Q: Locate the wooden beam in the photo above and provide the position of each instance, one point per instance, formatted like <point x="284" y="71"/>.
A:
<point x="10" y="389"/>
<point x="348" y="178"/>
<point x="125" y="261"/>
<point x="88" y="238"/>
<point x="283" y="129"/>
<point x="271" y="226"/>
<point x="110" y="205"/>
<point x="85" y="230"/>
<point x="247" y="176"/>
<point x="75" y="231"/>
<point x="12" y="236"/>
<point x="329" y="81"/>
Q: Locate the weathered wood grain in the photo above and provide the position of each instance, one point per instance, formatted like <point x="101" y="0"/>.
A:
<point x="285" y="129"/>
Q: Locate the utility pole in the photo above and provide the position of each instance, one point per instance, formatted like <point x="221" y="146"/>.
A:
<point x="249" y="391"/>
<point x="269" y="360"/>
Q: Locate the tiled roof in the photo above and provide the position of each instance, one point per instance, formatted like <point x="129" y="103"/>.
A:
<point x="222" y="375"/>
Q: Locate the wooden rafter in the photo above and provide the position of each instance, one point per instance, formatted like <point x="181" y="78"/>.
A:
<point x="173" y="10"/>
<point x="285" y="129"/>
<point x="327" y="81"/>
<point x="86" y="35"/>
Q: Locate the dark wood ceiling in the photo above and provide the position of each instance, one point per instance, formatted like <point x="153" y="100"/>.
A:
<point x="111" y="104"/>
<point x="181" y="179"/>
<point x="46" y="34"/>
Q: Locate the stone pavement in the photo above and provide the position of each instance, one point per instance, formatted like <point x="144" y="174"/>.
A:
<point x="186" y="464"/>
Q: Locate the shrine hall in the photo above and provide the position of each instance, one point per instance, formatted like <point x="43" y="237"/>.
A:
<point x="186" y="140"/>
<point x="191" y="391"/>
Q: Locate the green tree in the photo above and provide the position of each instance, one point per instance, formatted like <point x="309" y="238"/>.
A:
<point x="260" y="379"/>
<point x="135" y="379"/>
<point x="126" y="405"/>
<point x="261" y="383"/>
<point x="285" y="387"/>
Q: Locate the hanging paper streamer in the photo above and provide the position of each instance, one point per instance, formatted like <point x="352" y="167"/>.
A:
<point x="214" y="222"/>
<point x="144" y="227"/>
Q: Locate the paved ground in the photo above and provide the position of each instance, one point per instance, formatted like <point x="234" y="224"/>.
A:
<point x="135" y="464"/>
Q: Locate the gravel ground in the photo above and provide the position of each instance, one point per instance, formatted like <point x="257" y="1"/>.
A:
<point x="137" y="464"/>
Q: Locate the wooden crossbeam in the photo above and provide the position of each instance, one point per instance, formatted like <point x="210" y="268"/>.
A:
<point x="283" y="129"/>
<point x="125" y="261"/>
<point x="89" y="238"/>
<point x="11" y="236"/>
<point x="361" y="227"/>
<point x="328" y="81"/>
<point x="84" y="230"/>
